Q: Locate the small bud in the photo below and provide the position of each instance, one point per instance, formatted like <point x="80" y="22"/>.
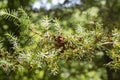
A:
<point x="4" y="65"/>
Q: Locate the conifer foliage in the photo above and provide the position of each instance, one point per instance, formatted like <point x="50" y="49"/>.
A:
<point x="49" y="45"/>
